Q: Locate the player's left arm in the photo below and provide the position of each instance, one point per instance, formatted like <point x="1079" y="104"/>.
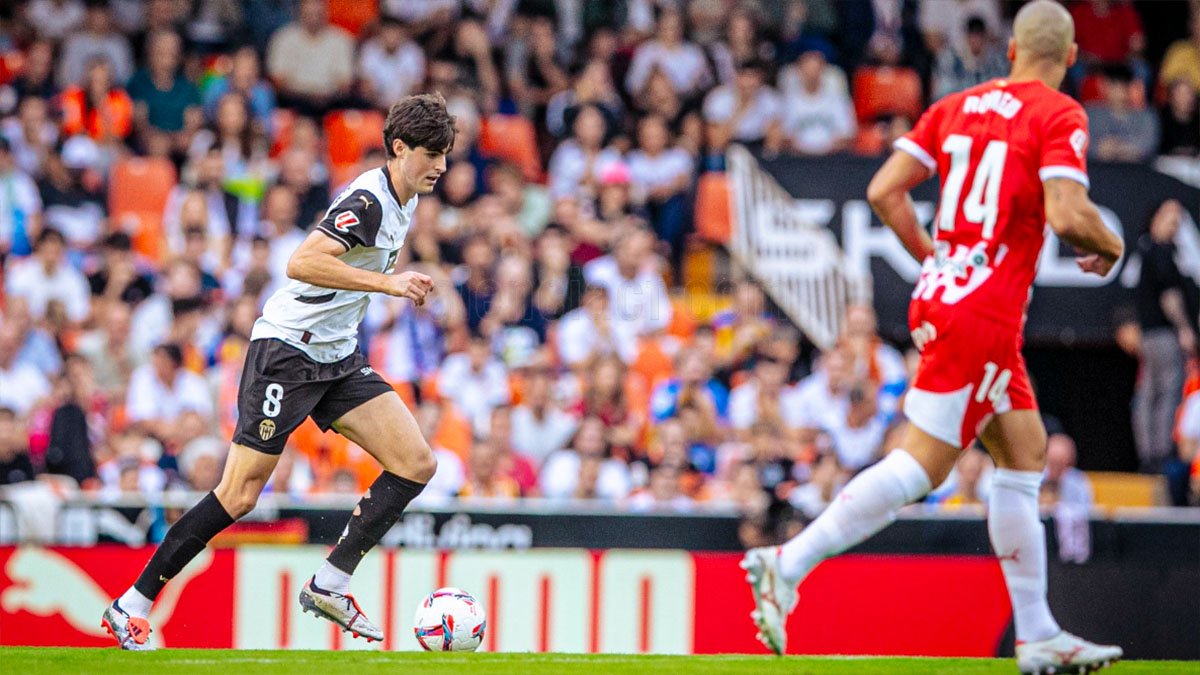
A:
<point x="888" y="194"/>
<point x="317" y="261"/>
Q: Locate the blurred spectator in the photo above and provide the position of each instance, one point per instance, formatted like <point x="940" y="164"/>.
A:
<point x="946" y="25"/>
<point x="1180" y="121"/>
<point x="759" y="398"/>
<point x="165" y="100"/>
<point x="311" y="61"/>
<point x="201" y="200"/>
<point x="682" y="62"/>
<point x="609" y="396"/>
<point x="97" y="106"/>
<point x="132" y="468"/>
<point x="98" y="41"/>
<point x="475" y="381"/>
<point x="410" y="344"/>
<point x="107" y="348"/>
<point x="972" y="472"/>
<point x="1168" y="335"/>
<point x="858" y="436"/>
<point x="1107" y="31"/>
<point x="824" y="483"/>
<point x="119" y="280"/>
<point x="593" y="85"/>
<point x="20" y="206"/>
<point x="638" y="304"/>
<point x="873" y="360"/>
<point x="822" y="399"/>
<point x="55" y="19"/>
<point x="309" y="181"/>
<point x="484" y="478"/>
<point x="50" y="284"/>
<point x="747" y="110"/>
<point x="741" y="45"/>
<point x="73" y="192"/>
<point x="15" y="464"/>
<point x="155" y="16"/>
<point x="662" y="493"/>
<point x="242" y="147"/>
<point x="37" y="347"/>
<point x="561" y="472"/>
<point x="527" y="203"/>
<point x="585" y="333"/>
<point x="31" y="135"/>
<point x="22" y="385"/>
<point x="1119" y="131"/>
<point x="740" y="328"/>
<point x="818" y="117"/>
<point x="160" y="391"/>
<point x="978" y="60"/>
<point x="77" y="417"/>
<point x="1182" y="60"/>
<point x="513" y="464"/>
<point x="664" y="174"/>
<point x="534" y="68"/>
<point x="245" y="80"/>
<point x="1065" y="483"/>
<point x="391" y="65"/>
<point x="577" y="162"/>
<point x="36" y="79"/>
<point x="280" y="210"/>
<point x="477" y="288"/>
<point x="1183" y="472"/>
<point x="200" y="462"/>
<point x="539" y="427"/>
<point x="693" y="385"/>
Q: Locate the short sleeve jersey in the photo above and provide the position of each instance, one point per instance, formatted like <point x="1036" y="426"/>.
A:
<point x="367" y="219"/>
<point x="992" y="146"/>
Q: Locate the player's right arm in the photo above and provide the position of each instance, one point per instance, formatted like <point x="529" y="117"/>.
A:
<point x="1076" y="220"/>
<point x="889" y="198"/>
<point x="316" y="262"/>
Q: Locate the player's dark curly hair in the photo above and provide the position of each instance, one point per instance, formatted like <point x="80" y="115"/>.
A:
<point x="419" y="121"/>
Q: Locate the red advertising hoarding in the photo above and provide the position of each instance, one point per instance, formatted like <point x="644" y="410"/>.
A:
<point x="571" y="600"/>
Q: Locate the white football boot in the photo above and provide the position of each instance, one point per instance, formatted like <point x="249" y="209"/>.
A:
<point x="340" y="609"/>
<point x="774" y="597"/>
<point x="1064" y="653"/>
<point x="130" y="632"/>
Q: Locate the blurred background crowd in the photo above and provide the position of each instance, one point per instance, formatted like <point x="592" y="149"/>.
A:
<point x="161" y="159"/>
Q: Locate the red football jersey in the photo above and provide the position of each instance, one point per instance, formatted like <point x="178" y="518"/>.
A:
<point x="992" y="146"/>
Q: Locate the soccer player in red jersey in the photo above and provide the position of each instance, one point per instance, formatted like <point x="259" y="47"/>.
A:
<point x="1011" y="157"/>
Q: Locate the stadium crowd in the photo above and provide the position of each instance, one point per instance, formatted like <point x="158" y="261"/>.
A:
<point x="563" y="355"/>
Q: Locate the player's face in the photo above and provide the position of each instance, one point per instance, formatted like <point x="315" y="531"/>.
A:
<point x="422" y="167"/>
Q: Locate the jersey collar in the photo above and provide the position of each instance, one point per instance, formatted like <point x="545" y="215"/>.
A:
<point x="387" y="178"/>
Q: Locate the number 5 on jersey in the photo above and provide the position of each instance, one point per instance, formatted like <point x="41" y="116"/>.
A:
<point x="982" y="204"/>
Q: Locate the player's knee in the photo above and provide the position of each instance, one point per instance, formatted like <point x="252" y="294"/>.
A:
<point x="237" y="501"/>
<point x="424" y="466"/>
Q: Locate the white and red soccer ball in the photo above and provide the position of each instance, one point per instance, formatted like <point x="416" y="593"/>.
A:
<point x="450" y="620"/>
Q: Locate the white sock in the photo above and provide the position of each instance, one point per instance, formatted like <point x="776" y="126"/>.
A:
<point x="135" y="604"/>
<point x="865" y="506"/>
<point x="1019" y="539"/>
<point x="330" y="578"/>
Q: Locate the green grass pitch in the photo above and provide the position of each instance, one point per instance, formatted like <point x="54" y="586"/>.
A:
<point x="58" y="661"/>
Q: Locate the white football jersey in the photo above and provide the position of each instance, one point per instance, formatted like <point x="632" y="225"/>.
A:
<point x="369" y="220"/>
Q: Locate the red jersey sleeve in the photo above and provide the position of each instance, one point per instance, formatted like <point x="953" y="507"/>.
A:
<point x="922" y="141"/>
<point x="1064" y="145"/>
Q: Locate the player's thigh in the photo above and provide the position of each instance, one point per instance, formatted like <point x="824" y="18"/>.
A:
<point x="1016" y="440"/>
<point x="934" y="455"/>
<point x="246" y="473"/>
<point x="387" y="430"/>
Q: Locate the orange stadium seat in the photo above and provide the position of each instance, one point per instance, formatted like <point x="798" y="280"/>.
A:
<point x="137" y="196"/>
<point x="350" y="133"/>
<point x="353" y="15"/>
<point x="713" y="222"/>
<point x="512" y="138"/>
<point x="883" y="90"/>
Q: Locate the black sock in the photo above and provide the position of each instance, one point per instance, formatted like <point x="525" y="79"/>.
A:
<point x="184" y="541"/>
<point x="375" y="514"/>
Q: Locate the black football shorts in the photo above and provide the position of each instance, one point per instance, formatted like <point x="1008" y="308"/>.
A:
<point x="281" y="385"/>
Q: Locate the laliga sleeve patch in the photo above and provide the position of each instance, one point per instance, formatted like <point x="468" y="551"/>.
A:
<point x="345" y="220"/>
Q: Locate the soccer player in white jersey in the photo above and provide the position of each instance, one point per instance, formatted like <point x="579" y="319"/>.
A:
<point x="303" y="361"/>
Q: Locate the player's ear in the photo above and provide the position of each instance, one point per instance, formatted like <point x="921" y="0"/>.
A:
<point x="1012" y="49"/>
<point x="398" y="148"/>
<point x="1072" y="54"/>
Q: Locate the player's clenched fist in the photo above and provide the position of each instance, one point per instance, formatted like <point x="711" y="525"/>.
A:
<point x="412" y="285"/>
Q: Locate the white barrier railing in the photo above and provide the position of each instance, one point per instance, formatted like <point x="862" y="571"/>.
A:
<point x="799" y="264"/>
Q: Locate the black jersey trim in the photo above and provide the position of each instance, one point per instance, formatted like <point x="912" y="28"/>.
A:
<point x="335" y="236"/>
<point x="316" y="299"/>
<point x="387" y="178"/>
